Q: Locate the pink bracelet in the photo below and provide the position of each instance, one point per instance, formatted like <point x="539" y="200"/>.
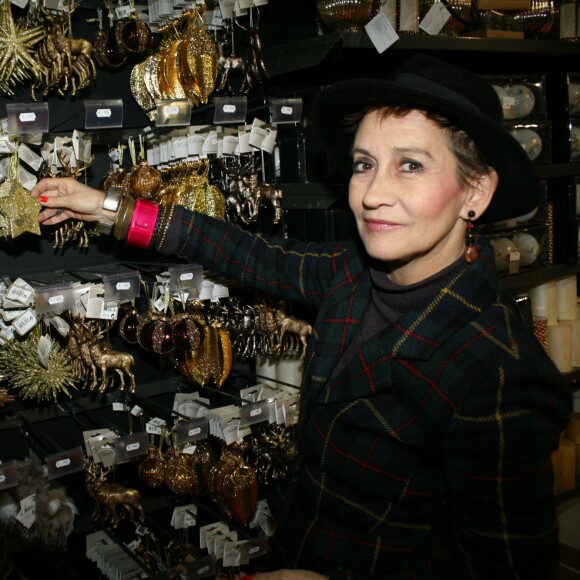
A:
<point x="142" y="223"/>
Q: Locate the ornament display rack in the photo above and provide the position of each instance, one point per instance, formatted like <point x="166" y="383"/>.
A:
<point x="299" y="62"/>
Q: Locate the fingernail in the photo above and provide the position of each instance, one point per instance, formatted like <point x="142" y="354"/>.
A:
<point x="42" y="198"/>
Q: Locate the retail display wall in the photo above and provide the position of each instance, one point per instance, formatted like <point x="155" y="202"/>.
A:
<point x="193" y="450"/>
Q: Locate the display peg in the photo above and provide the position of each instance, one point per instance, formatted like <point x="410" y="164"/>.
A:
<point x="27" y="118"/>
<point x="173" y="112"/>
<point x="104" y="114"/>
<point x="285" y="110"/>
<point x="122" y="287"/>
<point x="232" y="109"/>
<point x="65" y="462"/>
<point x="131" y="446"/>
<point x="192" y="430"/>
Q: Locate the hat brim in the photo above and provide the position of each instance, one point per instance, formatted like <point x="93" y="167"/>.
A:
<point x="518" y="190"/>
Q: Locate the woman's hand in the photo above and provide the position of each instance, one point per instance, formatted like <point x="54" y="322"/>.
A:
<point x="282" y="575"/>
<point x="65" y="197"/>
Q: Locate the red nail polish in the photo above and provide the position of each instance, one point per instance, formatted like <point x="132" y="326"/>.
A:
<point x="42" y="198"/>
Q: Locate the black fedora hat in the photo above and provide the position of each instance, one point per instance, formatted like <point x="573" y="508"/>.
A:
<point x="464" y="98"/>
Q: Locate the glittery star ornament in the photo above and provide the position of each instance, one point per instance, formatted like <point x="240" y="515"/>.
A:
<point x="18" y="209"/>
<point x="27" y="377"/>
<point x="17" y="50"/>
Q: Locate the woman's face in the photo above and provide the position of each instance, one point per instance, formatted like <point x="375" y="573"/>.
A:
<point x="406" y="195"/>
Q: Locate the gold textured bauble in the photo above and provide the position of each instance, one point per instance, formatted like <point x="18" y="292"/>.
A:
<point x="152" y="467"/>
<point x="144" y="181"/>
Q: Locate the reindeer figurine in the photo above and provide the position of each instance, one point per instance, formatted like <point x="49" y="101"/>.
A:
<point x="112" y="500"/>
<point x="98" y="356"/>
<point x="105" y="358"/>
<point x="253" y="53"/>
<point x="299" y="328"/>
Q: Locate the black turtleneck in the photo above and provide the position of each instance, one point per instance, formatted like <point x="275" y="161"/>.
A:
<point x="390" y="300"/>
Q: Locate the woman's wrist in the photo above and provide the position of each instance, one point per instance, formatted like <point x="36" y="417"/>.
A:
<point x="138" y="222"/>
<point x="109" y="210"/>
<point x="142" y="225"/>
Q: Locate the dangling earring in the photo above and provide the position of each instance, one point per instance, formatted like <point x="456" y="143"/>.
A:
<point x="471" y="254"/>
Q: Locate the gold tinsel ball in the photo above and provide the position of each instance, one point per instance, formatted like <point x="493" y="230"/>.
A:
<point x="28" y="377"/>
<point x="144" y="181"/>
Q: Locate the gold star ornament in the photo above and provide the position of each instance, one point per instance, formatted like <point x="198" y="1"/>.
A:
<point x="18" y="209"/>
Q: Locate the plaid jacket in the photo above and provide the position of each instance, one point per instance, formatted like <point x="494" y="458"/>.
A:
<point x="429" y="455"/>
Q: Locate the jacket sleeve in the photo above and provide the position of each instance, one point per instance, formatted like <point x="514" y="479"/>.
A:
<point x="290" y="269"/>
<point x="497" y="457"/>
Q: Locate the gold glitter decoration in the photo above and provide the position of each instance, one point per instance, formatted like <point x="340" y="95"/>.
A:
<point x="18" y="209"/>
<point x="17" y="42"/>
<point x="233" y="485"/>
<point x="152" y="467"/>
<point x="198" y="60"/>
<point x="212" y="361"/>
<point x="185" y="66"/>
<point x="188" y="185"/>
<point x="170" y="63"/>
<point x="144" y="181"/>
<point x="139" y="89"/>
<point x="26" y="375"/>
<point x="179" y="473"/>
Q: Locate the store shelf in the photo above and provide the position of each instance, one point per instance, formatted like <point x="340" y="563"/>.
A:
<point x="526" y="280"/>
<point x="558" y="170"/>
<point x="467" y="44"/>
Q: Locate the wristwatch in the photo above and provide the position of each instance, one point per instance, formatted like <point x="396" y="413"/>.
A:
<point x="110" y="203"/>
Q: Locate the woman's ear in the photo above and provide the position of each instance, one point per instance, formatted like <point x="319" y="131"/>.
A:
<point x="481" y="193"/>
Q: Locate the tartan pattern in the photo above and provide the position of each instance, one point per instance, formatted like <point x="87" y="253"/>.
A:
<point x="428" y="456"/>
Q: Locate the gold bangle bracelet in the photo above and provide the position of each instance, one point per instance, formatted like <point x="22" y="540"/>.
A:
<point x="124" y="214"/>
<point x="165" y="226"/>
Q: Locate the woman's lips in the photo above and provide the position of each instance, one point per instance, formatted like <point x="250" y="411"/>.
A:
<point x="380" y="225"/>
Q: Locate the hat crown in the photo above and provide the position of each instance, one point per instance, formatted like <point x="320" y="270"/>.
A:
<point x="472" y="88"/>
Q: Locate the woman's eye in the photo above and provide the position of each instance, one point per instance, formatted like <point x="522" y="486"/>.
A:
<point x="360" y="165"/>
<point x="411" y="166"/>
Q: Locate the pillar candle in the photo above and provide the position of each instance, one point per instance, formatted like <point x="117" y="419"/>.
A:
<point x="560" y="346"/>
<point x="566" y="298"/>
<point x="545" y="301"/>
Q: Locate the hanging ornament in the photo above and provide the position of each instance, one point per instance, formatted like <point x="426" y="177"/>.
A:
<point x="198" y="58"/>
<point x="28" y="376"/>
<point x="18" y="209"/>
<point x="17" y="43"/>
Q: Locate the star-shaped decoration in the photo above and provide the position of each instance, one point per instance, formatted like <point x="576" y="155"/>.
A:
<point x="18" y="209"/>
<point x="17" y="57"/>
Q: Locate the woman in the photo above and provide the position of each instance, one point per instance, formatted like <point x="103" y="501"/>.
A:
<point x="428" y="411"/>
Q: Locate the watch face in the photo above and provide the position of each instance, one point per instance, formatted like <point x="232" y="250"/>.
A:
<point x="528" y="247"/>
<point x="530" y="141"/>
<point x="523" y="99"/>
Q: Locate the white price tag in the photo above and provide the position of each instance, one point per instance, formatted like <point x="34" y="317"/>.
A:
<point x="381" y="32"/>
<point x="25" y="322"/>
<point x="27" y="514"/>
